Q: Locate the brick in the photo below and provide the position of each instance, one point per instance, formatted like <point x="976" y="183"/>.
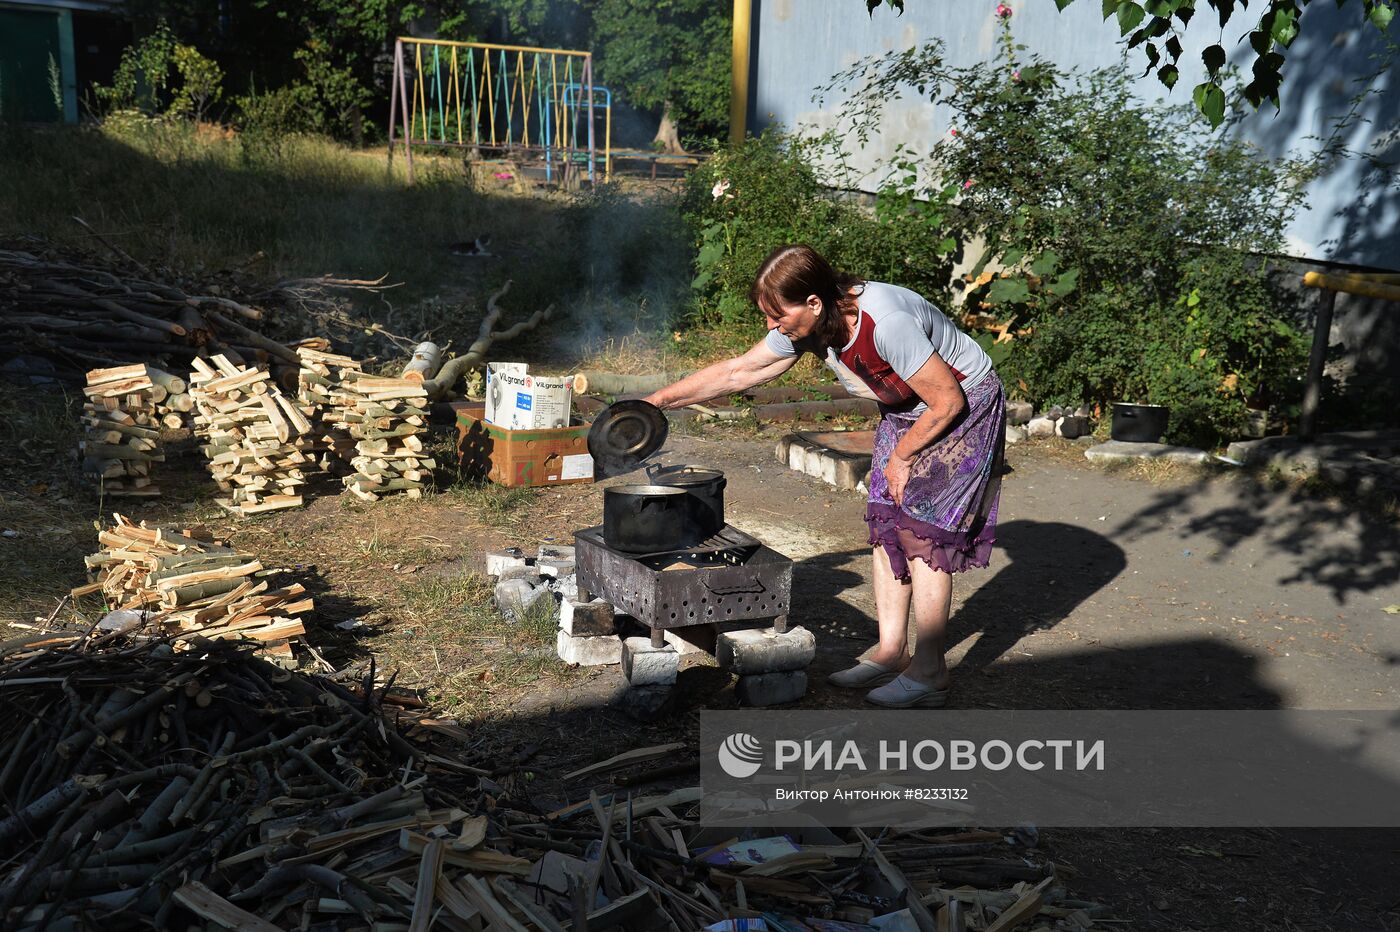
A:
<point x="587" y="619"/>
<point x="762" y="650"/>
<point x="645" y="665"/>
<point x="588" y="651"/>
<point x="771" y="688"/>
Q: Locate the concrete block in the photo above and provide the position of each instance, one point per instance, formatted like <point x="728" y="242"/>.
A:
<point x="1072" y="425"/>
<point x="1019" y="412"/>
<point x="763" y="650"/>
<point x="553" y="568"/>
<point x="527" y="573"/>
<point x="1015" y="434"/>
<point x="771" y="688"/>
<point x="514" y="596"/>
<point x="587" y="619"/>
<point x="555" y="552"/>
<point x="1124" y="450"/>
<point x="645" y="703"/>
<point x="1041" y="427"/>
<point x="497" y="561"/>
<point x="844" y="471"/>
<point x="645" y="665"/>
<point x="588" y="651"/>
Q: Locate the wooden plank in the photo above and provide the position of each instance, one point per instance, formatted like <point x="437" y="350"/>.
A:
<point x="895" y="878"/>
<point x="207" y="904"/>
<point x="625" y="758"/>
<point x="429" y="872"/>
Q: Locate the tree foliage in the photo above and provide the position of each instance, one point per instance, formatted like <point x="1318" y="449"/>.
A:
<point x="1155" y="26"/>
<point x="1123" y="241"/>
<point x="667" y="55"/>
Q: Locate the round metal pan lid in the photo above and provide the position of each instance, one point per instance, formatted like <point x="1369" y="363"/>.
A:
<point x="625" y="434"/>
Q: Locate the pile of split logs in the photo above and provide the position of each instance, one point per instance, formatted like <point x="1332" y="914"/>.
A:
<point x="385" y="418"/>
<point x="260" y="445"/>
<point x="184" y="584"/>
<point x="318" y="388"/>
<point x="126" y="410"/>
<point x="147" y="787"/>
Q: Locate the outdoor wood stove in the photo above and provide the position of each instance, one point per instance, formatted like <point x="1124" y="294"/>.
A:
<point x="729" y="577"/>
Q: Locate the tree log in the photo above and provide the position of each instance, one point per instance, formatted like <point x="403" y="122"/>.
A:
<point x="608" y="383"/>
<point x="427" y="359"/>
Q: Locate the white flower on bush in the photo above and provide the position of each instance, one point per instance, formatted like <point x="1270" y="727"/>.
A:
<point x="721" y="189"/>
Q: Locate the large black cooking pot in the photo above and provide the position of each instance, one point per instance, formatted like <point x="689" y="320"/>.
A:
<point x="1139" y="423"/>
<point x="705" y="487"/>
<point x="649" y="519"/>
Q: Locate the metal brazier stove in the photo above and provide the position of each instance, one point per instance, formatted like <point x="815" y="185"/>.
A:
<point x="729" y="577"/>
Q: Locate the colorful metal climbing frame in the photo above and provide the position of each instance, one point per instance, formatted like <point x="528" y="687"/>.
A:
<point x="508" y="99"/>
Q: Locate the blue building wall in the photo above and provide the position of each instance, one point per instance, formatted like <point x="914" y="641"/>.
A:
<point x="1354" y="211"/>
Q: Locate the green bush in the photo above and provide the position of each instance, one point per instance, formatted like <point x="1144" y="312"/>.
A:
<point x="158" y="75"/>
<point x="748" y="199"/>
<point x="1120" y="236"/>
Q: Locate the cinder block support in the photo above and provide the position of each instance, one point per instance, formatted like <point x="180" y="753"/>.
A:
<point x="646" y="665"/>
<point x="763" y="650"/>
<point x="588" y="651"/>
<point x="771" y="688"/>
<point x="587" y="619"/>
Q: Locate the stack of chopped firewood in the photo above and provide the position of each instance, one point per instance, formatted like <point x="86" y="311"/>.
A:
<point x="318" y="388"/>
<point x="260" y="445"/>
<point x="385" y="417"/>
<point x="126" y="409"/>
<point x="187" y="583"/>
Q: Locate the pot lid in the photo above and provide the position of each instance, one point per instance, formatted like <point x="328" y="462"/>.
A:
<point x="683" y="475"/>
<point x="624" y="434"/>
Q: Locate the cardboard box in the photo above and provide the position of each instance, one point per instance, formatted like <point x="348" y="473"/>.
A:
<point x="517" y="400"/>
<point x="550" y="456"/>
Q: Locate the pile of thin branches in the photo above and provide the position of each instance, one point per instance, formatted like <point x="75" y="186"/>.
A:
<point x="141" y="784"/>
<point x="79" y="312"/>
<point x="132" y="770"/>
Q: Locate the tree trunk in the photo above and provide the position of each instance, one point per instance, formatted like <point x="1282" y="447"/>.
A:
<point x="668" y="134"/>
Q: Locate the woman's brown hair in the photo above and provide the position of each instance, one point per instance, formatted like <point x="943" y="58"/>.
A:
<point x="791" y="273"/>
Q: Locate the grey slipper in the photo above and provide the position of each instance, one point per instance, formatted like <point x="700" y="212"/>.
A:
<point x="865" y="673"/>
<point x="904" y="693"/>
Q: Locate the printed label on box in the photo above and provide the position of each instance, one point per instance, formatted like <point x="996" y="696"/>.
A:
<point x="517" y="400"/>
<point x="577" y="466"/>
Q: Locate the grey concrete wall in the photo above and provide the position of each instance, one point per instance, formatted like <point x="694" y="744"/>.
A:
<point x="1354" y="213"/>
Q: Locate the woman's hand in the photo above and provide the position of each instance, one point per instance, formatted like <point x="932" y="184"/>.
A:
<point x="897" y="476"/>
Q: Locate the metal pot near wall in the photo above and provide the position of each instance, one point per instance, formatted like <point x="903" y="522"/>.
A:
<point x="1133" y="423"/>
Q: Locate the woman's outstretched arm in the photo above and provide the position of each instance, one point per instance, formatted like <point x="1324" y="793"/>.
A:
<point x="760" y="364"/>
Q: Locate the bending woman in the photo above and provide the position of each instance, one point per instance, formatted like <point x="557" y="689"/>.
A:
<point x="935" y="479"/>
